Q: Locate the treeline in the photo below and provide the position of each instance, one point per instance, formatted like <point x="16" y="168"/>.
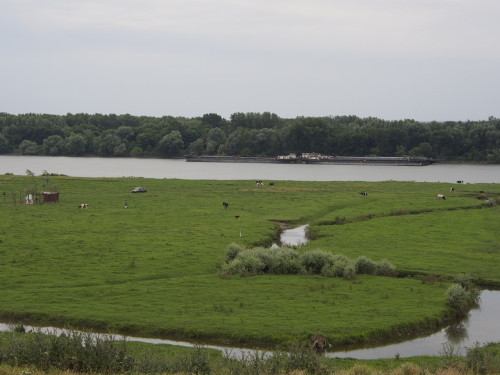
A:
<point x="246" y="134"/>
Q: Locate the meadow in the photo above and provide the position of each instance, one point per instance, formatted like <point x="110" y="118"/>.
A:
<point x="153" y="269"/>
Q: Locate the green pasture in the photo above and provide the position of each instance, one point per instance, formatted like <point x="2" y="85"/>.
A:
<point x="152" y="268"/>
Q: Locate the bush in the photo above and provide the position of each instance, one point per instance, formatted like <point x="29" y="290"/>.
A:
<point x="247" y="262"/>
<point x="265" y="256"/>
<point x="285" y="261"/>
<point x="476" y="360"/>
<point x="459" y="298"/>
<point x="340" y="267"/>
<point x="365" y="265"/>
<point x="76" y="351"/>
<point x="232" y="251"/>
<point x="385" y="268"/>
<point x="464" y="280"/>
<point x="314" y="261"/>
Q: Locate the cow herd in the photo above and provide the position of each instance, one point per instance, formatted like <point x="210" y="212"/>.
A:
<point x="84" y="206"/>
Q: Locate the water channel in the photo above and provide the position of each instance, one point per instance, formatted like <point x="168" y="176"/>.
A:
<point x="179" y="168"/>
<point x="480" y="326"/>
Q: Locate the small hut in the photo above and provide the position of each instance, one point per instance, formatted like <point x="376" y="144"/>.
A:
<point x="50" y="196"/>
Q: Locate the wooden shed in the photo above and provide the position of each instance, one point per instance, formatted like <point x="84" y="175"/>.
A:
<point x="50" y="196"/>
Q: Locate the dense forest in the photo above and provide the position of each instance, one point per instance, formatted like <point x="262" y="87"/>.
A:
<point x="246" y="134"/>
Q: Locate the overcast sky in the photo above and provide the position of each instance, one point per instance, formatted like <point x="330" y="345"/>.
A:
<point x="392" y="59"/>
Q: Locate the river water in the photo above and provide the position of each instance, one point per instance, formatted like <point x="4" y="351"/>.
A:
<point x="179" y="168"/>
<point x="481" y="325"/>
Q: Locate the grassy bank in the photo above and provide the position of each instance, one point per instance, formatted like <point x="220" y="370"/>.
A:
<point x="153" y="268"/>
<point x="32" y="353"/>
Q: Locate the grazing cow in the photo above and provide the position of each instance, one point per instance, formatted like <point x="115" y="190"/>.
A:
<point x="259" y="183"/>
<point x="453" y="189"/>
<point x="271" y="184"/>
<point x="237" y="217"/>
<point x="225" y="204"/>
<point x="440" y="196"/>
<point x="364" y="194"/>
<point x="83" y="206"/>
<point x="460" y="182"/>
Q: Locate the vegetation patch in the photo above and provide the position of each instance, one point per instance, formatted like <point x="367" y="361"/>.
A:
<point x="285" y="260"/>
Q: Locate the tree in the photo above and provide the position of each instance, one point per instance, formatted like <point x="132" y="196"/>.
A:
<point x="53" y="145"/>
<point x="171" y="144"/>
<point x="237" y="142"/>
<point x="125" y="133"/>
<point x="4" y="144"/>
<point x="423" y="149"/>
<point x="28" y="147"/>
<point x="212" y="120"/>
<point x="215" y="138"/>
<point x="197" y="147"/>
<point x="75" y="144"/>
<point x="108" y="144"/>
<point x="309" y="135"/>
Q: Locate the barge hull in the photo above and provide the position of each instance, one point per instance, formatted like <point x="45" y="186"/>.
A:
<point x="344" y="160"/>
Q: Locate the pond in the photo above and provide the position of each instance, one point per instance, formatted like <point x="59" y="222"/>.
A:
<point x="294" y="236"/>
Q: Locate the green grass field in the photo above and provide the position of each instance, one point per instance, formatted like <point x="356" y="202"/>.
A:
<point x="152" y="269"/>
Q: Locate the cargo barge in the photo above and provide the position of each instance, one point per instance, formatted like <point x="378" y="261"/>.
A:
<point x="314" y="158"/>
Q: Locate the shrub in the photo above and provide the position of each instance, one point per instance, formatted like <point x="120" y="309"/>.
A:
<point x="340" y="267"/>
<point x="464" y="280"/>
<point x="314" y="261"/>
<point x="76" y="351"/>
<point x="285" y="261"/>
<point x="349" y="271"/>
<point x="365" y="265"/>
<point x="459" y="298"/>
<point x="385" y="268"/>
<point x="232" y="251"/>
<point x="476" y="360"/>
<point x="248" y="262"/>
<point x="264" y="255"/>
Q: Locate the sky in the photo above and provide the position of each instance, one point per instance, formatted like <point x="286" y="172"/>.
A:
<point x="428" y="60"/>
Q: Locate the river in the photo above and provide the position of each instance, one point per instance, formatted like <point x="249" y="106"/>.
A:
<point x="180" y="169"/>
